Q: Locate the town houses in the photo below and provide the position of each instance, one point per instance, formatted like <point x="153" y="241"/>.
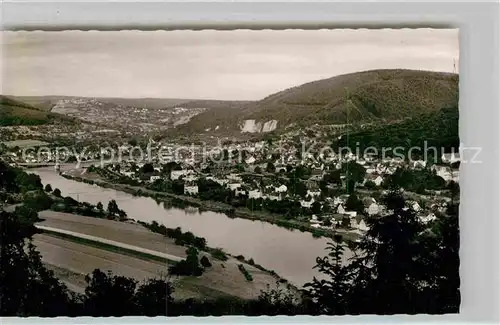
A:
<point x="325" y="190"/>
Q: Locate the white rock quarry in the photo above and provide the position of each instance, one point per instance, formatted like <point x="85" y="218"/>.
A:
<point x="270" y="126"/>
<point x="251" y="126"/>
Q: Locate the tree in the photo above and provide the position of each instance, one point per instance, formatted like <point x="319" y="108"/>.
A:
<point x="28" y="289"/>
<point x="26" y="215"/>
<point x="57" y="192"/>
<point x="112" y="208"/>
<point x="333" y="177"/>
<point x="270" y="168"/>
<point x="454" y="188"/>
<point x="370" y="185"/>
<point x="154" y="297"/>
<point x="114" y="292"/>
<point x="316" y="207"/>
<point x="331" y="295"/>
<point x="354" y="172"/>
<point x="327" y="222"/>
<point x="205" y="262"/>
<point x="257" y="170"/>
<point x="48" y="188"/>
<point x="99" y="206"/>
<point x="189" y="266"/>
<point x="147" y="168"/>
<point x="178" y="187"/>
<point x="132" y="142"/>
<point x="354" y="204"/>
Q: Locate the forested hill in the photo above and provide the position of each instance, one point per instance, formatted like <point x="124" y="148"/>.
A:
<point x="14" y="112"/>
<point x="439" y="129"/>
<point x="367" y="96"/>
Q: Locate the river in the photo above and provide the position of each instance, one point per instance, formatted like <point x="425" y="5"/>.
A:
<point x="291" y="253"/>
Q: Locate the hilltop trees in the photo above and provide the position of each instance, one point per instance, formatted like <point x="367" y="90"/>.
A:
<point x="399" y="268"/>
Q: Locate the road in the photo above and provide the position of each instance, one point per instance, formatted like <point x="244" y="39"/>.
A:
<point x="72" y="261"/>
<point x="111" y="242"/>
<point x="121" y="234"/>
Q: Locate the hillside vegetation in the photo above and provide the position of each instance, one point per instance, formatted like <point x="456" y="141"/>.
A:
<point x="377" y="95"/>
<point x="430" y="130"/>
<point x="14" y="112"/>
<point x="219" y="113"/>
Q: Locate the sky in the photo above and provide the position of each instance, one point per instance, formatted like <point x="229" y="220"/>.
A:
<point x="209" y="64"/>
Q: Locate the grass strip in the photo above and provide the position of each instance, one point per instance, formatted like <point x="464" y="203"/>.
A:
<point x="108" y="247"/>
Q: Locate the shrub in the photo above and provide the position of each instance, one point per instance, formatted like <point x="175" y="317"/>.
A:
<point x="219" y="254"/>
<point x="205" y="262"/>
<point x="247" y="275"/>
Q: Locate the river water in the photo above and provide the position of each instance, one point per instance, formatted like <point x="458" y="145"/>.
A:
<point x="291" y="253"/>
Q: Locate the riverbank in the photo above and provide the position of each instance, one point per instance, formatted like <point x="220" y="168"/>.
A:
<point x="219" y="207"/>
<point x="132" y="250"/>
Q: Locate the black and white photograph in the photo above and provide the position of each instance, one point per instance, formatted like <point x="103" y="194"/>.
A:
<point x="230" y="172"/>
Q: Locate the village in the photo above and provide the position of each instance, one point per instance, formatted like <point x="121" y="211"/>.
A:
<point x="324" y="190"/>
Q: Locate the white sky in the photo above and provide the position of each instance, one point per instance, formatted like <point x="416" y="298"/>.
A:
<point x="241" y="64"/>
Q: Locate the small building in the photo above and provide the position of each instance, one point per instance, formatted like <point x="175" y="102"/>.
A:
<point x="428" y="218"/>
<point x="373" y="209"/>
<point x="254" y="194"/>
<point x="375" y="178"/>
<point x="193" y="189"/>
<point x="234" y="186"/>
<point x="176" y="174"/>
<point x="281" y="189"/>
<point x="154" y="178"/>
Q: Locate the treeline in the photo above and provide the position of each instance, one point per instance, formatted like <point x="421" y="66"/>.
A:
<point x="180" y="238"/>
<point x="414" y="180"/>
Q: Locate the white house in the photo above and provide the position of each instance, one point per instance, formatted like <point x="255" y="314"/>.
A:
<point x="128" y="174"/>
<point x="240" y="192"/>
<point x="427" y="218"/>
<point x="154" y="178"/>
<point x="337" y="200"/>
<point x="176" y="174"/>
<point x="351" y="214"/>
<point x="250" y="160"/>
<point x="419" y="163"/>
<point x="234" y="177"/>
<point x="254" y="194"/>
<point x="314" y="219"/>
<point x="370" y="170"/>
<point x="342" y="210"/>
<point x="193" y="189"/>
<point x="362" y="226"/>
<point x="233" y="186"/>
<point x="306" y="204"/>
<point x="372" y="209"/>
<point x="281" y="189"/>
